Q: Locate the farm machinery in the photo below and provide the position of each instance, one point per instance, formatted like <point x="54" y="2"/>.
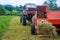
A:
<point x="35" y="14"/>
<point x="43" y="13"/>
<point x="28" y="12"/>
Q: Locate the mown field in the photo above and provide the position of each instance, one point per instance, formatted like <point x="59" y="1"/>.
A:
<point x="16" y="31"/>
<point x="4" y="23"/>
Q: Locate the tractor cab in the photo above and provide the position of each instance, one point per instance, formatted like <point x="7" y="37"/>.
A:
<point x="28" y="12"/>
<point x="30" y="8"/>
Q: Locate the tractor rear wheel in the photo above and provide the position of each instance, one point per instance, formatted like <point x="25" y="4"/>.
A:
<point x="20" y="19"/>
<point x="24" y="20"/>
<point x="32" y="29"/>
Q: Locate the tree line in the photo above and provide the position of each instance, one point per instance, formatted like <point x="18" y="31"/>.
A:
<point x="16" y="10"/>
<point x="10" y="10"/>
<point x="52" y="4"/>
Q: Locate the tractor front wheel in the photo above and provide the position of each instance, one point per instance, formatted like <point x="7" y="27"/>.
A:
<point x="33" y="29"/>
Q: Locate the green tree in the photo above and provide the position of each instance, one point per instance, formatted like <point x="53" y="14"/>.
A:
<point x="9" y="7"/>
<point x="44" y="2"/>
<point x="52" y="4"/>
<point x="2" y="10"/>
<point x="19" y="8"/>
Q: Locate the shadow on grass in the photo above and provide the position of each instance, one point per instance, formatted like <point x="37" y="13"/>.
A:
<point x="58" y="33"/>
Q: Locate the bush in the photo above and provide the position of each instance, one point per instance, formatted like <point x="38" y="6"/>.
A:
<point x="2" y="10"/>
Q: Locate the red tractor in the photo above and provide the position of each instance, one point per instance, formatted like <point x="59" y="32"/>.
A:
<point x="28" y="12"/>
<point x="43" y="13"/>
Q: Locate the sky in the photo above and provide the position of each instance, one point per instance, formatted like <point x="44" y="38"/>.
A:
<point x="23" y="2"/>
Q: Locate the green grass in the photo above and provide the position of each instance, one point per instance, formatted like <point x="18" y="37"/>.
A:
<point x="4" y="22"/>
<point x="17" y="31"/>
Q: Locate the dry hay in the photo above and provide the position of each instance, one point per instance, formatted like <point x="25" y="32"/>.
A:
<point x="46" y="28"/>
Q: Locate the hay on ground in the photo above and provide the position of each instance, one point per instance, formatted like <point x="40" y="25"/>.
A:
<point x="46" y="28"/>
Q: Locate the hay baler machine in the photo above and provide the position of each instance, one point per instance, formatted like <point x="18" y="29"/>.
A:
<point x="43" y="13"/>
<point x="28" y="12"/>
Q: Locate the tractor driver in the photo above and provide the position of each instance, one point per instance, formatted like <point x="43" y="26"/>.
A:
<point x="41" y="14"/>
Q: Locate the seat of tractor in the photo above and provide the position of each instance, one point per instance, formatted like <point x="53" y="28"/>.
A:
<point x="41" y="14"/>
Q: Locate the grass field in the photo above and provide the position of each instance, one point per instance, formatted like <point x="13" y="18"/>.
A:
<point x="4" y="23"/>
<point x="16" y="31"/>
